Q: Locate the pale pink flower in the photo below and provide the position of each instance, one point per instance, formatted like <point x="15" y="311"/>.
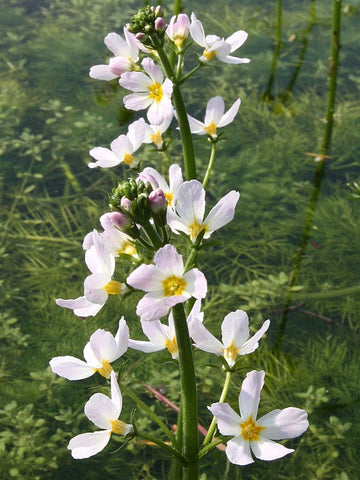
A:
<point x="235" y="336"/>
<point x="126" y="55"/>
<point x="104" y="412"/>
<point x="170" y="188"/>
<point x="151" y="91"/>
<point x="250" y="434"/>
<point x="122" y="149"/>
<point x="178" y="29"/>
<point x="216" y="46"/>
<point x="214" y="117"/>
<point x="188" y="216"/>
<point x="102" y="349"/>
<point x="166" y="284"/>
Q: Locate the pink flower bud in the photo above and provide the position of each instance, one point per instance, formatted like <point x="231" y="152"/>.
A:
<point x="157" y="201"/>
<point x="114" y="220"/>
<point x="126" y="204"/>
<point x="159" y="24"/>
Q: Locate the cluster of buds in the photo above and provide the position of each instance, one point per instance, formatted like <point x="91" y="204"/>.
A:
<point x="148" y="24"/>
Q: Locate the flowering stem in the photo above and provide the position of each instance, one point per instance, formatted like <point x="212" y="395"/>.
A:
<point x="151" y="414"/>
<point x="188" y="417"/>
<point x="223" y="395"/>
<point x="186" y="137"/>
<point x="163" y="445"/>
<point x="211" y="163"/>
<point x="155" y="238"/>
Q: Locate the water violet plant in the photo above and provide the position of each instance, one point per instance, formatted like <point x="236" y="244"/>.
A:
<point x="158" y="226"/>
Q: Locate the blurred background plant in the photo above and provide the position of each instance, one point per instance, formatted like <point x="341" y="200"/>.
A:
<point x="51" y="114"/>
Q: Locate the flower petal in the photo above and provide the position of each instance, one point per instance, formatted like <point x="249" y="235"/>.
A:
<point x="287" y="423"/>
<point x="228" y="421"/>
<point x="101" y="410"/>
<point x="168" y="260"/>
<point x="238" y="451"/>
<point x="249" y="397"/>
<point x="81" y="306"/>
<point x="222" y="213"/>
<point x="203" y="339"/>
<point x="104" y="157"/>
<point x="252" y="344"/>
<point x="86" y="445"/>
<point x="268" y="450"/>
<point x="230" y="114"/>
<point x="237" y="39"/>
<point x="235" y="328"/>
<point x="214" y="110"/>
<point x="102" y="72"/>
<point x="71" y="368"/>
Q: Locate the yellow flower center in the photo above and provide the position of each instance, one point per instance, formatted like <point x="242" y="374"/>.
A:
<point x="128" y="248"/>
<point x="171" y="345"/>
<point x="208" y="55"/>
<point x="250" y="430"/>
<point x="156" y="138"/>
<point x="156" y="91"/>
<point x="128" y="158"/>
<point x="119" y="427"/>
<point x="231" y="353"/>
<point x="211" y="129"/>
<point x="113" y="287"/>
<point x="195" y="228"/>
<point x="169" y="198"/>
<point x="174" y="286"/>
<point x="105" y="370"/>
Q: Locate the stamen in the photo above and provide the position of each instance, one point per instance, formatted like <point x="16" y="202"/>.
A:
<point x="250" y="430"/>
<point x="128" y="159"/>
<point x="171" y="345"/>
<point x="195" y="228"/>
<point x="155" y="91"/>
<point x="174" y="286"/>
<point x="156" y="138"/>
<point x="105" y="370"/>
<point x="208" y="55"/>
<point x="113" y="288"/>
<point x="120" y="428"/>
<point x="211" y="129"/>
<point x="231" y="353"/>
<point x="169" y="198"/>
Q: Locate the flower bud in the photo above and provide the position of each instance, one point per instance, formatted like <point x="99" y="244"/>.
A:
<point x="158" y="206"/>
<point x="159" y="24"/>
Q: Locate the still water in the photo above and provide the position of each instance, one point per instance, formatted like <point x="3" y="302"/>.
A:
<point x="52" y="113"/>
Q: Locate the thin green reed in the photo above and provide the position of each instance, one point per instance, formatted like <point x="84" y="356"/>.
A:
<point x="277" y="49"/>
<point x="323" y="154"/>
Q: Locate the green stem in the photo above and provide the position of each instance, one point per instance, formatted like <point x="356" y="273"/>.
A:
<point x="209" y="435"/>
<point x="155" y="238"/>
<point x="324" y="151"/>
<point x="149" y="412"/>
<point x="189" y="416"/>
<point x="163" y="445"/>
<point x="186" y="137"/>
<point x="210" y="165"/>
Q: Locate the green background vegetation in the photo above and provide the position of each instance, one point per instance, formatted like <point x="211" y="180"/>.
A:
<point x="52" y="113"/>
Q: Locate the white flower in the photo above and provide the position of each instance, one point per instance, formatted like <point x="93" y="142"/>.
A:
<point x="153" y="133"/>
<point x="104" y="412"/>
<point x="162" y="336"/>
<point x="188" y="216"/>
<point x="214" y="117"/>
<point x="216" y="46"/>
<point x="102" y="349"/>
<point x="99" y="285"/>
<point x="121" y="149"/>
<point x="151" y="91"/>
<point x="170" y="189"/>
<point x="126" y="55"/>
<point x="235" y="336"/>
<point x="166" y="284"/>
<point x="255" y="435"/>
<point x="178" y="29"/>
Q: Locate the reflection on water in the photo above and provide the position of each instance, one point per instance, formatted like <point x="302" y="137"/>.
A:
<point x="51" y="114"/>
